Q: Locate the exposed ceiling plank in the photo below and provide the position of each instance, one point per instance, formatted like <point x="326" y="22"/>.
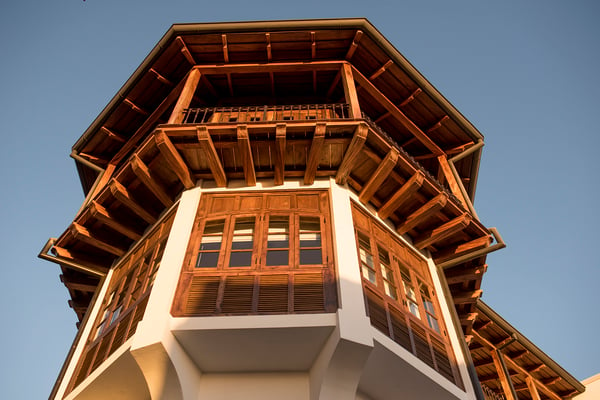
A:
<point x="314" y="155"/>
<point x="243" y="141"/>
<point x="352" y="152"/>
<point x="410" y="187"/>
<point x="212" y="157"/>
<point x="423" y="213"/>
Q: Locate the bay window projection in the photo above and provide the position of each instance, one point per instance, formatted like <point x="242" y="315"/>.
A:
<point x="399" y="297"/>
<point x="270" y="252"/>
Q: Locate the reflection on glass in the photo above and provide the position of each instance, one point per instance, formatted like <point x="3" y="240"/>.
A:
<point x="389" y="284"/>
<point x="278" y="241"/>
<point x="242" y="243"/>
<point x="210" y="245"/>
<point x="310" y="241"/>
<point x="366" y="259"/>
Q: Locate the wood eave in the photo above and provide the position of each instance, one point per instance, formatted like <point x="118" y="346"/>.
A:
<point x="184" y="46"/>
<point x="524" y="360"/>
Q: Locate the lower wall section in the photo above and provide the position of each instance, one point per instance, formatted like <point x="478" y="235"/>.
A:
<point x="255" y="386"/>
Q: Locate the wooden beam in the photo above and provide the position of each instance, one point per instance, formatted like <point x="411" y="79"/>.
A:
<point x="381" y="70"/>
<point x="185" y="51"/>
<point x="185" y="98"/>
<point x="225" y="49"/>
<point x="67" y="255"/>
<point x="314" y="156"/>
<point x="243" y="140"/>
<point x="112" y="135"/>
<point x="451" y="179"/>
<point x="350" y="91"/>
<point x="334" y="84"/>
<point x="81" y="287"/>
<point x="251" y="68"/>
<point x="161" y="78"/>
<point x="124" y="197"/>
<point x="468" y="318"/>
<point x="441" y="232"/>
<point x="80" y="232"/>
<point x="106" y="218"/>
<point x="280" y="146"/>
<point x="503" y="377"/>
<point x="438" y="124"/>
<point x="173" y="159"/>
<point x="462" y="249"/>
<point x="135" y="107"/>
<point x="379" y="176"/>
<point x="149" y="123"/>
<point x="230" y="84"/>
<point x="410" y="187"/>
<point x="467" y="298"/>
<point x="269" y="49"/>
<point x="424" y="212"/>
<point x="354" y="44"/>
<point x="313" y="45"/>
<point x="141" y="170"/>
<point x="471" y="275"/>
<point x="395" y="112"/>
<point x="214" y="163"/>
<point x="405" y="102"/>
<point x="352" y="152"/>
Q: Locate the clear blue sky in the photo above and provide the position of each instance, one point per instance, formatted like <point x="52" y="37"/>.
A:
<point x="524" y="72"/>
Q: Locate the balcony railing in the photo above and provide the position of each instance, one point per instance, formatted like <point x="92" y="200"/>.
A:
<point x="281" y="113"/>
<point x="490" y="394"/>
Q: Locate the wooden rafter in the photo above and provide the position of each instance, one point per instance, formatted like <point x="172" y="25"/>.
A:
<point x="395" y="112"/>
<point x="505" y="381"/>
<point x="106" y="218"/>
<point x="141" y="170"/>
<point x="403" y="103"/>
<point x="470" y="274"/>
<point x="124" y="197"/>
<point x="532" y="388"/>
<point x="352" y="152"/>
<point x="185" y="51"/>
<point x="381" y="70"/>
<point x="314" y="154"/>
<point x="82" y="287"/>
<point x="135" y="107"/>
<point x="350" y="91"/>
<point x="112" y="134"/>
<point x="467" y="297"/>
<point x="174" y="159"/>
<point x="438" y="124"/>
<point x="354" y="44"/>
<point x="269" y="49"/>
<point x="149" y="122"/>
<point x="410" y="187"/>
<point x="441" y="232"/>
<point x="462" y="249"/>
<point x="93" y="158"/>
<point x="334" y="84"/>
<point x="423" y="213"/>
<point x="161" y="77"/>
<point x="280" y="145"/>
<point x="67" y="255"/>
<point x="446" y="171"/>
<point x="252" y="68"/>
<point x="379" y="176"/>
<point x="243" y="141"/>
<point x="185" y="97"/>
<point x="212" y="157"/>
<point x="225" y="48"/>
<point x="80" y="232"/>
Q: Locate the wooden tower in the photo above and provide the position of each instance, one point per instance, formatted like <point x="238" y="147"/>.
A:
<point x="275" y="210"/>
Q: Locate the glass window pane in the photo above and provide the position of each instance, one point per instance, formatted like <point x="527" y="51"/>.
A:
<point x="414" y="309"/>
<point x="310" y="240"/>
<point x="207" y="260"/>
<point x="279" y="236"/>
<point x="277" y="257"/>
<point x="240" y="259"/>
<point x="310" y="256"/>
<point x="243" y="232"/>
